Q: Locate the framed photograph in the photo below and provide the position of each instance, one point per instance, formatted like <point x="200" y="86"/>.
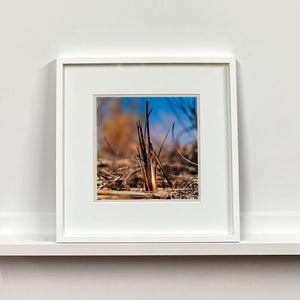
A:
<point x="147" y="150"/>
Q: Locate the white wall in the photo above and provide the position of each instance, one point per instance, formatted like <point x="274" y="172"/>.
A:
<point x="263" y="36"/>
<point x="150" y="278"/>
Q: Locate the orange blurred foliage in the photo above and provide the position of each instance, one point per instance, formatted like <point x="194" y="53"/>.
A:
<point x="118" y="131"/>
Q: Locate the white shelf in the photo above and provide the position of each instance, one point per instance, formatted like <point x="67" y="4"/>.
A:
<point x="45" y="246"/>
<point x="262" y="234"/>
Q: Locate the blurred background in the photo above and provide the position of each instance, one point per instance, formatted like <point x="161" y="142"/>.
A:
<point x="117" y="118"/>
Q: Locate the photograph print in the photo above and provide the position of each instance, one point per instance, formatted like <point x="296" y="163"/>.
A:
<point x="147" y="148"/>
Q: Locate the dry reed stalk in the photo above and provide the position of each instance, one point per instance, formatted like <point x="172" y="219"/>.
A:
<point x="133" y="195"/>
<point x="178" y="151"/>
<point x="147" y="159"/>
<point x="145" y="154"/>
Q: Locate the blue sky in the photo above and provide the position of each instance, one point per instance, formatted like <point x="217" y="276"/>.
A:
<point x="165" y="110"/>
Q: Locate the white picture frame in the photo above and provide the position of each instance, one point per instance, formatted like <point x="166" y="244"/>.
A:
<point x="78" y="80"/>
